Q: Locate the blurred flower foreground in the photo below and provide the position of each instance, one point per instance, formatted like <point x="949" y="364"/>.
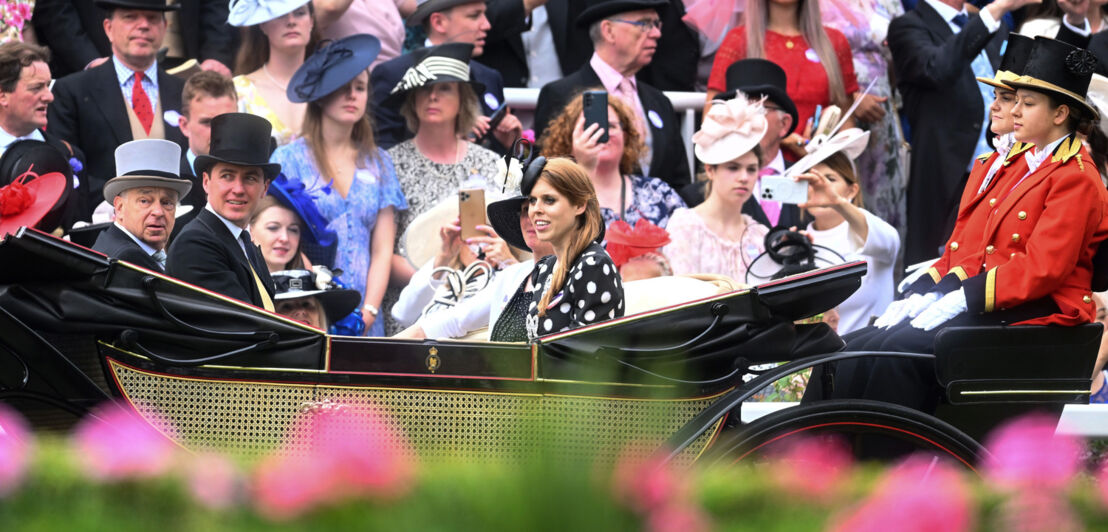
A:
<point x="349" y="469"/>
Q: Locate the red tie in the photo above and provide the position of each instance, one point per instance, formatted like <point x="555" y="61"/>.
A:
<point x="140" y="103"/>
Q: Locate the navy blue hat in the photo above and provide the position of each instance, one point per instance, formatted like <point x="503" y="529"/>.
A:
<point x="602" y="9"/>
<point x="295" y="196"/>
<point x="332" y="66"/>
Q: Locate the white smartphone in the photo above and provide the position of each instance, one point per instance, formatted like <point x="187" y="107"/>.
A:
<point x="784" y="189"/>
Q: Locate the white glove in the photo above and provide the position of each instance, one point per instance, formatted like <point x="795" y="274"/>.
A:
<point x="941" y="311"/>
<point x="907" y="308"/>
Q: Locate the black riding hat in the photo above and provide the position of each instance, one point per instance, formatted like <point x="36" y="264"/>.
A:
<point x="1014" y="62"/>
<point x="1061" y="70"/>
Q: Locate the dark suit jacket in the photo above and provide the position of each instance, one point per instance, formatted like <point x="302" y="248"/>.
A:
<point x="89" y="112"/>
<point x="196" y="198"/>
<point x="114" y="243"/>
<point x="668" y="162"/>
<point x="504" y="45"/>
<point x="206" y="255"/>
<point x="1098" y="45"/>
<point x="945" y="111"/>
<point x="390" y="127"/>
<point x="74" y="31"/>
<point x="76" y="204"/>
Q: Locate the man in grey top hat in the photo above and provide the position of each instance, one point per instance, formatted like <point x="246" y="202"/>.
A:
<point x="145" y="196"/>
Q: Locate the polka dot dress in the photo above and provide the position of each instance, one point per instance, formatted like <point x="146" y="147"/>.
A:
<point x="592" y="293"/>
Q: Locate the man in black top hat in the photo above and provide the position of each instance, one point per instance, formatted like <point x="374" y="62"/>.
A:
<point x="625" y="34"/>
<point x="214" y="251"/>
<point x="24" y="98"/>
<point x="74" y="30"/>
<point x="445" y="21"/>
<point x="103" y="107"/>
<point x="761" y="78"/>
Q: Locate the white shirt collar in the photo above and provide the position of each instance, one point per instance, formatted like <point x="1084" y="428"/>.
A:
<point x="145" y="247"/>
<point x="124" y="73"/>
<point x="945" y="10"/>
<point x="6" y="139"/>
<point x="235" y="230"/>
<point x="1034" y="160"/>
<point x="778" y="163"/>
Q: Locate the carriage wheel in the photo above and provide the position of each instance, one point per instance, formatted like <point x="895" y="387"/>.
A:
<point x="873" y="430"/>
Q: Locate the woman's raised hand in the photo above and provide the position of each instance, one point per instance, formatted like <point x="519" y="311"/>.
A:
<point x="820" y="191"/>
<point x="497" y="252"/>
<point x="450" y="236"/>
<point x="587" y="145"/>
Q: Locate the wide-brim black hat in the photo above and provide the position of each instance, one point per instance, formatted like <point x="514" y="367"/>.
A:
<point x="504" y="219"/>
<point x="1016" y="53"/>
<point x="1059" y="69"/>
<point x="426" y="7"/>
<point x="760" y="77"/>
<point x="337" y="303"/>
<point x="332" y="66"/>
<point x="149" y="5"/>
<point x="41" y="158"/>
<point x="241" y="139"/>
<point x="601" y="9"/>
<point x="445" y="63"/>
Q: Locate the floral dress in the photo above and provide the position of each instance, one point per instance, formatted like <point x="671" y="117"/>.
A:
<point x="883" y="175"/>
<point x="14" y="16"/>
<point x="592" y="292"/>
<point x="251" y="101"/>
<point x="694" y="248"/>
<point x="353" y="218"/>
<point x="425" y="183"/>
<point x="651" y="198"/>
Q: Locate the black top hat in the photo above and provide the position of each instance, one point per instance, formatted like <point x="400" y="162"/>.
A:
<point x="760" y="77"/>
<point x="41" y="158"/>
<point x="149" y="5"/>
<point x="1014" y="62"/>
<point x="425" y="7"/>
<point x="447" y="62"/>
<point x="1060" y="69"/>
<point x="241" y="139"/>
<point x="601" y="9"/>
<point x="295" y="284"/>
<point x="332" y="66"/>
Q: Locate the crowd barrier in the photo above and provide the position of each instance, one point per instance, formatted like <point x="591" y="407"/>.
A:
<point x="687" y="104"/>
<point x="1086" y="421"/>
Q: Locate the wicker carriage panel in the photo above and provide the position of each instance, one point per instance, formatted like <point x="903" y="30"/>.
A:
<point x="250" y="419"/>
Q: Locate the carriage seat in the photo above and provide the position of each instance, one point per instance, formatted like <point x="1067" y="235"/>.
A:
<point x="1021" y="364"/>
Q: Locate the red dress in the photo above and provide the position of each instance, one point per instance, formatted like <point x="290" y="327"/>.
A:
<point x="807" y="80"/>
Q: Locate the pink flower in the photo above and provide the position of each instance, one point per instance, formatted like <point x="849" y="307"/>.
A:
<point x="15" y="440"/>
<point x="351" y="451"/>
<point x="1027" y="453"/>
<point x="1102" y="482"/>
<point x="116" y="443"/>
<point x="645" y="481"/>
<point x="923" y="494"/>
<point x="213" y="480"/>
<point x="677" y="518"/>
<point x="528" y="134"/>
<point x="811" y="467"/>
<point x="1034" y="510"/>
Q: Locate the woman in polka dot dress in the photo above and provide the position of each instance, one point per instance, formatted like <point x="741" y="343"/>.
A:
<point x="579" y="284"/>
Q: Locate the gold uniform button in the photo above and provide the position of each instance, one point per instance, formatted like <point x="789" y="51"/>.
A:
<point x="1015" y="237"/>
<point x="1087" y="299"/>
<point x="954" y="246"/>
<point x="1022" y="215"/>
<point x="992" y="202"/>
<point x="990" y="249"/>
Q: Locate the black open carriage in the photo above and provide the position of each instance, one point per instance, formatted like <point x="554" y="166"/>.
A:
<point x="79" y="328"/>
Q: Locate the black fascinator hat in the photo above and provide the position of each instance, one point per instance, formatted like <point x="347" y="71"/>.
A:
<point x="519" y="171"/>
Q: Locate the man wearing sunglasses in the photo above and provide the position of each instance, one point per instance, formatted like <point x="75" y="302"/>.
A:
<point x="625" y="36"/>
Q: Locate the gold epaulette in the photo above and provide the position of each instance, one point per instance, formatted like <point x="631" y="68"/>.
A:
<point x="1017" y="149"/>
<point x="985" y="156"/>
<point x="1067" y="149"/>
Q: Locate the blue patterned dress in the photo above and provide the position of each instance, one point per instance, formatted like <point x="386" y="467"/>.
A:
<point x="651" y="198"/>
<point x="352" y="218"/>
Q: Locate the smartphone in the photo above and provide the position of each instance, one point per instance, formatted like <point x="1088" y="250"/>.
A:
<point x="596" y="111"/>
<point x="784" y="189"/>
<point x="471" y="211"/>
<point x="494" y="120"/>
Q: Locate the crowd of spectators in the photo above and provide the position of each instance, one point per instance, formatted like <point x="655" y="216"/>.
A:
<point x="371" y="135"/>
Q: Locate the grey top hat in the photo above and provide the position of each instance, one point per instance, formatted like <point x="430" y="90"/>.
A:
<point x="147" y="163"/>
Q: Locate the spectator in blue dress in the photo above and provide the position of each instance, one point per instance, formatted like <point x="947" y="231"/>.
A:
<point x="352" y="180"/>
<point x="623" y="196"/>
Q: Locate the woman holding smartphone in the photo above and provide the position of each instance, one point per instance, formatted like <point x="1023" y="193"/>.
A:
<point x="1044" y="223"/>
<point x="715" y="236"/>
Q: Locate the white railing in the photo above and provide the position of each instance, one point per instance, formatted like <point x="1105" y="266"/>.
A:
<point x="1087" y="421"/>
<point x="687" y="103"/>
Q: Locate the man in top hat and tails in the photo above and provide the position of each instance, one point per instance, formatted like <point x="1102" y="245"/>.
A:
<point x="127" y="98"/>
<point x="214" y="251"/>
<point x="445" y="21"/>
<point x="145" y="196"/>
<point x="624" y="35"/>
